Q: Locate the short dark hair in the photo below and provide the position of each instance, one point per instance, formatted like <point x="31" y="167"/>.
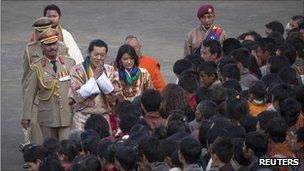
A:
<point x="271" y="78"/>
<point x="126" y="122"/>
<point x="202" y="135"/>
<point x="252" y="33"/>
<point x="189" y="80"/>
<point x="209" y="68"/>
<point x="298" y="43"/>
<point x="231" y="71"/>
<point x="209" y="108"/>
<point x="275" y="26"/>
<point x="290" y="110"/>
<point x="177" y="126"/>
<point x="282" y="91"/>
<point x="52" y="7"/>
<point x="268" y="44"/>
<point x="99" y="124"/>
<point x="249" y="123"/>
<point x="214" y="46"/>
<point x="237" y="108"/>
<point x="151" y="99"/>
<point x="195" y="59"/>
<point x="264" y="117"/>
<point x="126" y="156"/>
<point x="288" y="50"/>
<point x="104" y="151"/>
<point x="288" y="75"/>
<point x="215" y="132"/>
<point x="223" y="148"/>
<point x="277" y="63"/>
<point x="52" y="145"/>
<point x="258" y="90"/>
<point x="149" y="147"/>
<point x="277" y="129"/>
<point x="130" y="51"/>
<point x="51" y="163"/>
<point x="190" y="149"/>
<point x="89" y="141"/>
<point x="34" y="152"/>
<point x="250" y="45"/>
<point x="203" y="93"/>
<point x="182" y="65"/>
<point x="241" y="55"/>
<point x="277" y="38"/>
<point x="257" y="142"/>
<point x="230" y="44"/>
<point x="236" y="131"/>
<point x="98" y="43"/>
<point x="68" y="148"/>
<point x="129" y="109"/>
<point x="167" y="147"/>
<point x="88" y="162"/>
<point x="233" y="84"/>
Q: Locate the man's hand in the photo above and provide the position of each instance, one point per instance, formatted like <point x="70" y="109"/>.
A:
<point x="25" y="123"/>
<point x="98" y="71"/>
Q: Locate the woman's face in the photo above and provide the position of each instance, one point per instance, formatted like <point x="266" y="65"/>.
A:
<point x="97" y="56"/>
<point x="127" y="61"/>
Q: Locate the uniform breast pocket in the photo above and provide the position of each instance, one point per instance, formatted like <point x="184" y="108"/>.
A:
<point x="47" y="79"/>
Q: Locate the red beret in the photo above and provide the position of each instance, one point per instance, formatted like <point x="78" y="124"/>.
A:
<point x="205" y="9"/>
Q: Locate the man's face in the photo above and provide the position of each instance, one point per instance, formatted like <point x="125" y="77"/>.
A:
<point x="135" y="44"/>
<point x="97" y="56"/>
<point x="262" y="55"/>
<point x="206" y="79"/>
<point x="50" y="50"/>
<point x="54" y="16"/>
<point x="293" y="24"/>
<point x="206" y="54"/>
<point x="207" y="20"/>
<point x="267" y="31"/>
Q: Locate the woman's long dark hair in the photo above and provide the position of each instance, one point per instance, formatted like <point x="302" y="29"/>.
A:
<point x="130" y="51"/>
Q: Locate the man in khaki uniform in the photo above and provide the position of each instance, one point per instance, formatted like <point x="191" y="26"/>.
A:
<point x="49" y="81"/>
<point x="207" y="30"/>
<point x="32" y="53"/>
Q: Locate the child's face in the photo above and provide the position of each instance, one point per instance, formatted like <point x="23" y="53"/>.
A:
<point x="206" y="79"/>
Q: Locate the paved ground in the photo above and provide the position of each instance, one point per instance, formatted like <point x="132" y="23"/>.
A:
<point x="160" y="25"/>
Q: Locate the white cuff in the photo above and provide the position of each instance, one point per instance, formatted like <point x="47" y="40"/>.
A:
<point x="105" y="84"/>
<point x="89" y="88"/>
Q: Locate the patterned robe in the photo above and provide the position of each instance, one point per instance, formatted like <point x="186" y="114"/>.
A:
<point x="138" y="87"/>
<point x="102" y="104"/>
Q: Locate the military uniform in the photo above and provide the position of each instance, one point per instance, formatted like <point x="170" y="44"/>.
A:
<point x="51" y="89"/>
<point x="33" y="53"/>
<point x="197" y="35"/>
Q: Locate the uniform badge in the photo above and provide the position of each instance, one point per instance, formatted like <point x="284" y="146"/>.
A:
<point x="64" y="75"/>
<point x="209" y="10"/>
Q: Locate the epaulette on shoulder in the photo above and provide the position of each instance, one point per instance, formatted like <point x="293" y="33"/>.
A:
<point x="37" y="60"/>
<point x="32" y="43"/>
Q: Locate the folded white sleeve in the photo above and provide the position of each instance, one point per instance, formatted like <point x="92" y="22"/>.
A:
<point x="105" y="84"/>
<point x="89" y="88"/>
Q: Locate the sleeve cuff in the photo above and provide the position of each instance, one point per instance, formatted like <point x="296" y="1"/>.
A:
<point x="105" y="84"/>
<point x="89" y="88"/>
